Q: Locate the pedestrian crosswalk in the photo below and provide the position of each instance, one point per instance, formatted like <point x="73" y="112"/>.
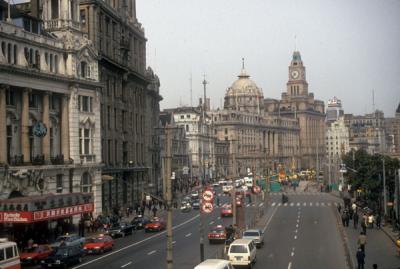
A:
<point x="306" y="204"/>
<point x="297" y="193"/>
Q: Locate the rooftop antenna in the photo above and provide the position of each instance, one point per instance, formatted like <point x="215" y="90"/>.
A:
<point x="373" y="101"/>
<point x="191" y="89"/>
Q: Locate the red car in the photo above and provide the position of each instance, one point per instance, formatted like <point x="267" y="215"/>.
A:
<point x="35" y="254"/>
<point x="226" y="211"/>
<point x="155" y="225"/>
<point x="239" y="200"/>
<point x="217" y="234"/>
<point x="98" y="244"/>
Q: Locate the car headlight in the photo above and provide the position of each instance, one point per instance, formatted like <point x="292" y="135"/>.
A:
<point x="96" y="247"/>
<point x="58" y="261"/>
<point x="29" y="258"/>
<point x="42" y="261"/>
<point x="84" y="247"/>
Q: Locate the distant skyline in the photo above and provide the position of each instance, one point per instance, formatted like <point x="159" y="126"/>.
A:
<point x="349" y="47"/>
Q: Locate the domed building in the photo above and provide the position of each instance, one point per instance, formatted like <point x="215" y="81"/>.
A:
<point x="244" y="95"/>
<point x="256" y="141"/>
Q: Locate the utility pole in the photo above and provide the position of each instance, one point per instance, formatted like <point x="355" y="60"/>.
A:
<point x="167" y="177"/>
<point x="384" y="187"/>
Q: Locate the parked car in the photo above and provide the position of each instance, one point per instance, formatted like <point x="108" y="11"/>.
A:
<point x="139" y="222"/>
<point x="196" y="204"/>
<point x="256" y="235"/>
<point x="120" y="229"/>
<point x="35" y="254"/>
<point x="63" y="257"/>
<point x="98" y="244"/>
<point x="155" y="225"/>
<point x="69" y="240"/>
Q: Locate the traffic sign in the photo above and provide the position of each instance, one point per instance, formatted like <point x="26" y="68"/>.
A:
<point x="207" y="207"/>
<point x="256" y="189"/>
<point x="208" y="195"/>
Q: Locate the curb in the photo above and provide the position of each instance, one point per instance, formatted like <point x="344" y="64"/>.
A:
<point x="393" y="239"/>
<point x="349" y="260"/>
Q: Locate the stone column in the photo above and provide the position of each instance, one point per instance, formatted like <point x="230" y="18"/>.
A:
<point x="65" y="127"/>
<point x="3" y="125"/>
<point x="25" y="126"/>
<point x="276" y="143"/>
<point x="46" y="122"/>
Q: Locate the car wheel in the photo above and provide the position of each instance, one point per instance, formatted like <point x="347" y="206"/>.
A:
<point x="250" y="265"/>
<point x="101" y="250"/>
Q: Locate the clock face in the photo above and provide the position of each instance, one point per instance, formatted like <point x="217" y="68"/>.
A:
<point x="295" y="74"/>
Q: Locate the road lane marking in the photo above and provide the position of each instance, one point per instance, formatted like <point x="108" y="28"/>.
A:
<point x="285" y="204"/>
<point x="291" y="204"/>
<point x="295" y="231"/>
<point x="322" y="204"/>
<point x="304" y="204"/>
<point x="273" y="204"/>
<point x="317" y="204"/>
<point x="152" y="252"/>
<point x="261" y="204"/>
<point x="329" y="204"/>
<point x="297" y="225"/>
<point x="189" y="234"/>
<point x="279" y="204"/>
<point x="211" y="222"/>
<point x="289" y="265"/>
<point x="266" y="225"/>
<point x="292" y="254"/>
<point x="219" y="218"/>
<point x="295" y="237"/>
<point x="248" y="205"/>
<point x="310" y="204"/>
<point x="173" y="242"/>
<point x="136" y="243"/>
<point x="298" y="220"/>
<point x="125" y="265"/>
<point x="298" y="204"/>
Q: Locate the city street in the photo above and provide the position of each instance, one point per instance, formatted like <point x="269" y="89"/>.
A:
<point x="300" y="234"/>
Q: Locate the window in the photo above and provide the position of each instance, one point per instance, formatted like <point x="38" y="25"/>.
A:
<point x="33" y="100"/>
<point x="109" y="117"/>
<point x="85" y="141"/>
<point x="86" y="182"/>
<point x="10" y="98"/>
<point x="84" y="69"/>
<point x="182" y="116"/>
<point x="115" y="118"/>
<point x="187" y="128"/>
<point x="125" y="152"/>
<point x="188" y="116"/>
<point x="59" y="183"/>
<point x="85" y="103"/>
<point x="54" y="9"/>
<point x="83" y="17"/>
<point x="9" y="253"/>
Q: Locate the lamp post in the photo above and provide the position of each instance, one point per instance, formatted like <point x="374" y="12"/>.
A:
<point x="384" y="187"/>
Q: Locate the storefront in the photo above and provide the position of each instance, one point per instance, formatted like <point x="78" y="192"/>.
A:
<point x="42" y="218"/>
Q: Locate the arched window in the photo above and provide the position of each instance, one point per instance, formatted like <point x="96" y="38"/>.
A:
<point x="86" y="182"/>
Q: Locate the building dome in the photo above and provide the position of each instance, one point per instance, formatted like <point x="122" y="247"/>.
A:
<point x="244" y="86"/>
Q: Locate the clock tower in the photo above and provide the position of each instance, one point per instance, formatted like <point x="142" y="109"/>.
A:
<point x="297" y="84"/>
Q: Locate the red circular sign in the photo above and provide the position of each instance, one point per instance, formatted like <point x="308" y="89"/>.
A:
<point x="256" y="189"/>
<point x="208" y="195"/>
<point x="207" y="207"/>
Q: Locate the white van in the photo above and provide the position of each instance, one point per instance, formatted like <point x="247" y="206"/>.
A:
<point x="242" y="252"/>
<point x="214" y="264"/>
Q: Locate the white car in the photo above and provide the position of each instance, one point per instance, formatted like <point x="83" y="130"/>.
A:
<point x="242" y="252"/>
<point x="214" y="264"/>
<point x="256" y="235"/>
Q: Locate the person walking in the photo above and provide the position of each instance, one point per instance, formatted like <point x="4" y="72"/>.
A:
<point x="364" y="227"/>
<point x="355" y="219"/>
<point x="154" y="210"/>
<point x="378" y="221"/>
<point x="371" y="221"/>
<point x="362" y="241"/>
<point x="360" y="258"/>
<point x="339" y="208"/>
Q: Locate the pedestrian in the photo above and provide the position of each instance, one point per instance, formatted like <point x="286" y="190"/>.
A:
<point x="343" y="216"/>
<point x="378" y="221"/>
<point x="339" y="208"/>
<point x="154" y="210"/>
<point x="347" y="218"/>
<point x="371" y="221"/>
<point x="362" y="241"/>
<point x="375" y="266"/>
<point x="360" y="258"/>
<point x="364" y="227"/>
<point x="354" y="206"/>
<point x="355" y="220"/>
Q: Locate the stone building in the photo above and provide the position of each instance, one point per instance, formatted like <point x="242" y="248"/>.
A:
<point x="129" y="101"/>
<point x="334" y="110"/>
<point x="300" y="104"/>
<point x="180" y="151"/>
<point x="367" y="132"/>
<point x="256" y="139"/>
<point x="49" y="112"/>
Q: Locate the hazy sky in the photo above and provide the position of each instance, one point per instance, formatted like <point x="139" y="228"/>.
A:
<point x="349" y="47"/>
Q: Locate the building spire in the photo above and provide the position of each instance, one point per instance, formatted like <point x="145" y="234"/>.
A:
<point x="243" y="63"/>
<point x="243" y="73"/>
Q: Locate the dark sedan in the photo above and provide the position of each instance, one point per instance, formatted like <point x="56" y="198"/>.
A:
<point x="63" y="257"/>
<point x="120" y="229"/>
<point x="139" y="222"/>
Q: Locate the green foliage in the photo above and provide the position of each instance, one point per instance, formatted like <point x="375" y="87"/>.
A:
<point x="365" y="171"/>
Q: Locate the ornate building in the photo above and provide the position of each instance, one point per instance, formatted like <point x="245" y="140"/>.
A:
<point x="299" y="104"/>
<point x="129" y="101"/>
<point x="49" y="112"/>
<point x="256" y="139"/>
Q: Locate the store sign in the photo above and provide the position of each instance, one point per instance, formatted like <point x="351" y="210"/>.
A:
<point x="62" y="212"/>
<point x="16" y="217"/>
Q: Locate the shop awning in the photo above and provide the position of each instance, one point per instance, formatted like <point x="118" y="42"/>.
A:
<point x="44" y="207"/>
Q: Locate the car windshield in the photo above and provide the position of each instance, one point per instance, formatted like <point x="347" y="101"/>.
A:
<point x="95" y="240"/>
<point x="238" y="249"/>
<point x="63" y="238"/>
<point x="32" y="250"/>
<point x="251" y="234"/>
<point x="62" y="252"/>
<point x="218" y="230"/>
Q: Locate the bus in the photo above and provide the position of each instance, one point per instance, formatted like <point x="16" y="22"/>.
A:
<point x="9" y="256"/>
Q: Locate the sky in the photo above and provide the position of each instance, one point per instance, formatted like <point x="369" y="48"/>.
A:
<point x="351" y="48"/>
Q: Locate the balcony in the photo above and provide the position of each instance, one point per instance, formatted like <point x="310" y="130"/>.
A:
<point x="16" y="160"/>
<point x="38" y="160"/>
<point x="89" y="158"/>
<point x="58" y="159"/>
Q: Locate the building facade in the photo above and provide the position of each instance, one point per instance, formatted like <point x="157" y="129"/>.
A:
<point x="256" y="140"/>
<point x="367" y="132"/>
<point x="337" y="139"/>
<point x="129" y="101"/>
<point x="49" y="109"/>
<point x="297" y="102"/>
<point x="334" y="110"/>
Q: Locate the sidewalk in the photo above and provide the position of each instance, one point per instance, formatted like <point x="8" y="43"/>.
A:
<point x="379" y="249"/>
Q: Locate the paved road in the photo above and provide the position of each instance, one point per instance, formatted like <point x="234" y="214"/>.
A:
<point x="301" y="234"/>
